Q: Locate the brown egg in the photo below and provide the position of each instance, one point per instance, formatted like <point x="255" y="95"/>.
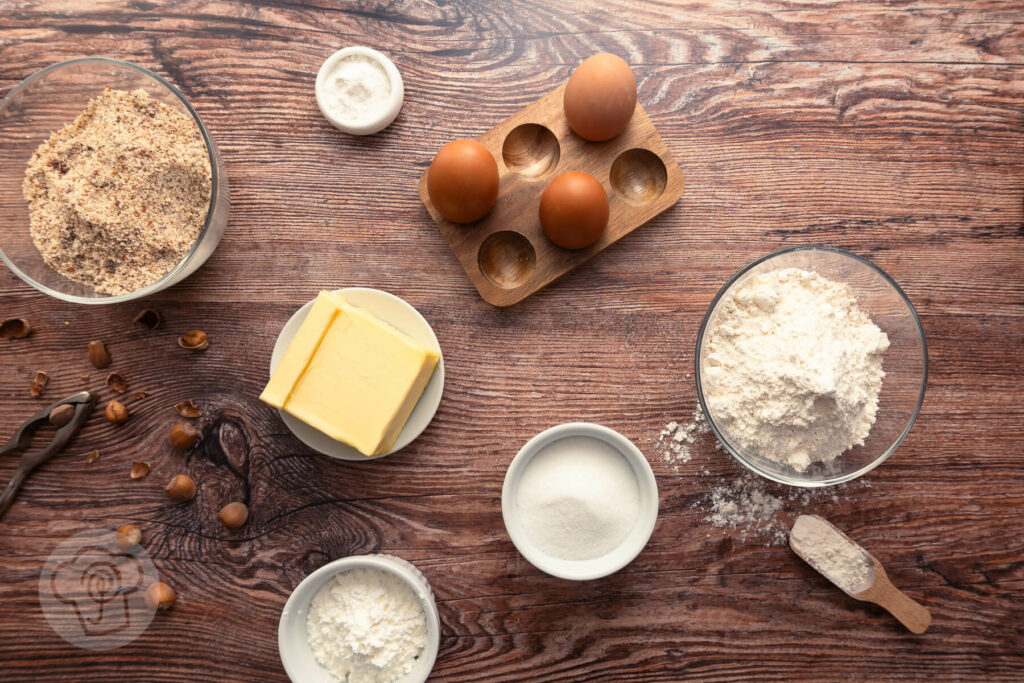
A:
<point x="574" y="210"/>
<point x="463" y="181"/>
<point x="600" y="97"/>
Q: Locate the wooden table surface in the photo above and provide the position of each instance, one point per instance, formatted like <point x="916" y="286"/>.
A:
<point x="892" y="129"/>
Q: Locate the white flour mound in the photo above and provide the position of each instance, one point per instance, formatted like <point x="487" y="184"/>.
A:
<point x="366" y="626"/>
<point x="794" y="367"/>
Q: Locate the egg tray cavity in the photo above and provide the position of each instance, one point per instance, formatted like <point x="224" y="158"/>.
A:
<point x="506" y="254"/>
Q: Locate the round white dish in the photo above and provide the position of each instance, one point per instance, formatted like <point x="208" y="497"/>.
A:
<point x="397" y="313"/>
<point x="386" y="115"/>
<point x="297" y="657"/>
<point x="626" y="552"/>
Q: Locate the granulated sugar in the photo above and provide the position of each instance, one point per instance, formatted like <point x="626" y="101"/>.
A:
<point x="578" y="498"/>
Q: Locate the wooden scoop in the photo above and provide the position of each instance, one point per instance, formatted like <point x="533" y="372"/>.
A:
<point x="853" y="570"/>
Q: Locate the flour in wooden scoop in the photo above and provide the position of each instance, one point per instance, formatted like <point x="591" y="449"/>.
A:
<point x="832" y="553"/>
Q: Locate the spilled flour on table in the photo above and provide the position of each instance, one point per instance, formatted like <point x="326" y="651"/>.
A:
<point x="676" y="441"/>
<point x="760" y="510"/>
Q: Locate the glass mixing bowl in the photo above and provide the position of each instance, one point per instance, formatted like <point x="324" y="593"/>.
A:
<point x="47" y="101"/>
<point x="905" y="364"/>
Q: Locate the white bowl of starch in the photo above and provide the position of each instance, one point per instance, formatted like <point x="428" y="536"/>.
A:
<point x="364" y="617"/>
<point x="359" y="90"/>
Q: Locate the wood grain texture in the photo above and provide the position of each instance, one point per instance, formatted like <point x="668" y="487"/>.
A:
<point x="894" y="129"/>
<point x="506" y="254"/>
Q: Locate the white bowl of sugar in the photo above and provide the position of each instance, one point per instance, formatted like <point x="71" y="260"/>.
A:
<point x="579" y="501"/>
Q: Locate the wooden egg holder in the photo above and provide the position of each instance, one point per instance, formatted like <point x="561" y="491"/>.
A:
<point x="506" y="254"/>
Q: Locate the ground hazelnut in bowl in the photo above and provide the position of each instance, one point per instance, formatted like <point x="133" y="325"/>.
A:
<point x="110" y="185"/>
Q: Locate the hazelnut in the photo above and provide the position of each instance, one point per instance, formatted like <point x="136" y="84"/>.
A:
<point x="139" y="469"/>
<point x="128" y="537"/>
<point x="61" y="415"/>
<point x="194" y="340"/>
<point x="98" y="355"/>
<point x="233" y="515"/>
<point x="181" y="487"/>
<point x="116" y="413"/>
<point x="38" y="384"/>
<point x="147" y="317"/>
<point x="187" y="409"/>
<point x="15" y="328"/>
<point x="160" y="596"/>
<point x="183" y="436"/>
<point x="117" y="382"/>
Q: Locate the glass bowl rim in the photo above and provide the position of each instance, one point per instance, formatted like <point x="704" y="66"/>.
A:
<point x="214" y="185"/>
<point x="783" y="479"/>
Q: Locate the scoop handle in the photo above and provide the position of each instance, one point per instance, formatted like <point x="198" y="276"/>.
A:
<point x="910" y="613"/>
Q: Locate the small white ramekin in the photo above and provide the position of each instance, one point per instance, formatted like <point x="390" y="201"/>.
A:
<point x="626" y="552"/>
<point x="299" y="661"/>
<point x="386" y="116"/>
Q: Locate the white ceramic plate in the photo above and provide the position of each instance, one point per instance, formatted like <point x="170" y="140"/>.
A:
<point x="297" y="657"/>
<point x="616" y="559"/>
<point x="405" y="318"/>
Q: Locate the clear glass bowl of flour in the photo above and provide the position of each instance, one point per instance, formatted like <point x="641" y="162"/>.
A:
<point x="47" y="101"/>
<point x="905" y="364"/>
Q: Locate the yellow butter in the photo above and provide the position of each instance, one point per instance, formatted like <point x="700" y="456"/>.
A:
<point x="351" y="375"/>
<point x="299" y="352"/>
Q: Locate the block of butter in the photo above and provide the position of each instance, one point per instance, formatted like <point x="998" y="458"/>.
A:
<point x="351" y="375"/>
